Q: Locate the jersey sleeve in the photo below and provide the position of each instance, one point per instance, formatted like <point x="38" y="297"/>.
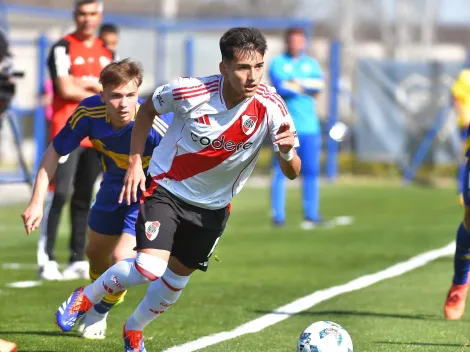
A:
<point x="182" y="95"/>
<point x="160" y="124"/>
<point x="277" y="114"/>
<point x="59" y="60"/>
<point x="77" y="128"/>
<point x="281" y="79"/>
<point x="460" y="89"/>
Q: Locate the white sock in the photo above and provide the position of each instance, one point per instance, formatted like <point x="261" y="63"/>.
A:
<point x="119" y="277"/>
<point x="160" y="296"/>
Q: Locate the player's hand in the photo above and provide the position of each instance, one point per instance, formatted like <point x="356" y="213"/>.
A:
<point x="285" y="138"/>
<point x="32" y="217"/>
<point x="134" y="179"/>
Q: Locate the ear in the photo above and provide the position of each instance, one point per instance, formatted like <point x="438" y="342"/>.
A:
<point x="222" y="68"/>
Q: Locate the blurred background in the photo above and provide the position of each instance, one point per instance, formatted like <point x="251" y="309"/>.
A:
<point x="389" y="67"/>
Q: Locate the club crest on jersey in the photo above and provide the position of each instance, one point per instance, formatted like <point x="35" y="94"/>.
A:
<point x="249" y="124"/>
<point x="151" y="229"/>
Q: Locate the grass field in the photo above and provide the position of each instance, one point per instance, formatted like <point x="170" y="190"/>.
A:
<point x="261" y="268"/>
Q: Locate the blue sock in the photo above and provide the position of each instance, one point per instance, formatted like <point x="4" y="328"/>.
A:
<point x="278" y="194"/>
<point x="311" y="197"/>
<point x="462" y="256"/>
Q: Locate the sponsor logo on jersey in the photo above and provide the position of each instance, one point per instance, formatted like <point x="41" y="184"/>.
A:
<point x="104" y="61"/>
<point x="221" y="143"/>
<point x="249" y="124"/>
<point x="151" y="229"/>
<point x="79" y="61"/>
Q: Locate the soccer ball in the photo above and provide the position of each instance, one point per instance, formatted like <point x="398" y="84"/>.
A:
<point x="324" y="336"/>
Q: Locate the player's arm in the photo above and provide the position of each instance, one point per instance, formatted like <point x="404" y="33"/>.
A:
<point x="285" y="140"/>
<point x="32" y="216"/>
<point x="458" y="93"/>
<point x="285" y="86"/>
<point x="315" y="83"/>
<point x="67" y="140"/>
<point x="66" y="86"/>
<point x="161" y="102"/>
<point x="287" y="156"/>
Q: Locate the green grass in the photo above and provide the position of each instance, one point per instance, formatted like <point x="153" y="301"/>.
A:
<point x="262" y="268"/>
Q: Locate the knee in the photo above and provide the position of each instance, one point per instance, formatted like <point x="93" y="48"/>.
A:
<point x="94" y="254"/>
<point x="59" y="199"/>
<point x="120" y="254"/>
<point x="150" y="266"/>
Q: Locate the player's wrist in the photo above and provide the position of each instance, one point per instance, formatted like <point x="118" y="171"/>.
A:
<point x="287" y="156"/>
<point x="135" y="159"/>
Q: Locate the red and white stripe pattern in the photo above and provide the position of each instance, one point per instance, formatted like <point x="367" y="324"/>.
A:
<point x="204" y="120"/>
<point x="264" y="91"/>
<point x="195" y="91"/>
<point x="204" y="166"/>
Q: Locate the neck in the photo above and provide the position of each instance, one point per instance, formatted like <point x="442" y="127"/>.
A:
<point x="230" y="97"/>
<point x="86" y="39"/>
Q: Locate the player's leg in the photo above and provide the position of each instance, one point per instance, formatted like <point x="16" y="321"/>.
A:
<point x="155" y="228"/>
<point x="278" y="194"/>
<point x="195" y="240"/>
<point x="93" y="325"/>
<point x="88" y="169"/>
<point x="456" y="298"/>
<point x="56" y="199"/>
<point x="309" y="152"/>
<point x="461" y="173"/>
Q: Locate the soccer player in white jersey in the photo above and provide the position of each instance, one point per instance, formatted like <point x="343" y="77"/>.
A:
<point x="210" y="149"/>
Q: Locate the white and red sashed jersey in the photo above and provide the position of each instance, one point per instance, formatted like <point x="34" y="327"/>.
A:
<point x="208" y="151"/>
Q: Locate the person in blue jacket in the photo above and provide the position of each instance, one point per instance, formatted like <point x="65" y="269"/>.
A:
<point x="298" y="79"/>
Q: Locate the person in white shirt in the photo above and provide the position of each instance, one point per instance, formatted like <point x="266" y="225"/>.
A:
<point x="209" y="151"/>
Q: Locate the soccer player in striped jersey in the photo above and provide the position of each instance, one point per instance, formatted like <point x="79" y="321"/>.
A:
<point x="220" y="123"/>
<point x="107" y="119"/>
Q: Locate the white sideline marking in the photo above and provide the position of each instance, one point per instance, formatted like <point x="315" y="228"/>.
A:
<point x="18" y="266"/>
<point x="316" y="297"/>
<point x="24" y="284"/>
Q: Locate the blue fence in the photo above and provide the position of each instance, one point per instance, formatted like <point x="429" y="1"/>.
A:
<point x="162" y="28"/>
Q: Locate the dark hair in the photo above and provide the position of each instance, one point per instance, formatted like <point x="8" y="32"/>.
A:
<point x="292" y="31"/>
<point x="241" y="40"/>
<point x="79" y="3"/>
<point x="121" y="72"/>
<point x="108" y="28"/>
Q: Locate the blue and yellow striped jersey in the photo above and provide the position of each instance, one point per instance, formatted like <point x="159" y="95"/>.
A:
<point x="90" y="120"/>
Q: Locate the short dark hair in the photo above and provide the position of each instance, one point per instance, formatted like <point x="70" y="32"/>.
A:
<point x="108" y="28"/>
<point x="242" y="40"/>
<point x="121" y="72"/>
<point x="291" y="31"/>
<point x="79" y="3"/>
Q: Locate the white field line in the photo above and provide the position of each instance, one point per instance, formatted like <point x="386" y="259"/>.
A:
<point x="313" y="299"/>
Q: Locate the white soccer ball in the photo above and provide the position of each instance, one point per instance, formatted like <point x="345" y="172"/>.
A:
<point x="324" y="336"/>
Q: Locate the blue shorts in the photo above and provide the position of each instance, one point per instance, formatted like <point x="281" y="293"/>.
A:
<point x="115" y="222"/>
<point x="466" y="184"/>
<point x="463" y="134"/>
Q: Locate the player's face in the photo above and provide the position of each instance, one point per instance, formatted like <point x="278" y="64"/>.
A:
<point x="296" y="44"/>
<point x="110" y="40"/>
<point x="244" y="73"/>
<point x="121" y="103"/>
<point x="88" y="18"/>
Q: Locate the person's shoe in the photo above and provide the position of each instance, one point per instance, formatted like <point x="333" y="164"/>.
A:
<point x="133" y="340"/>
<point x="50" y="271"/>
<point x="455" y="302"/>
<point x="77" y="270"/>
<point x="72" y="310"/>
<point x="93" y="325"/>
